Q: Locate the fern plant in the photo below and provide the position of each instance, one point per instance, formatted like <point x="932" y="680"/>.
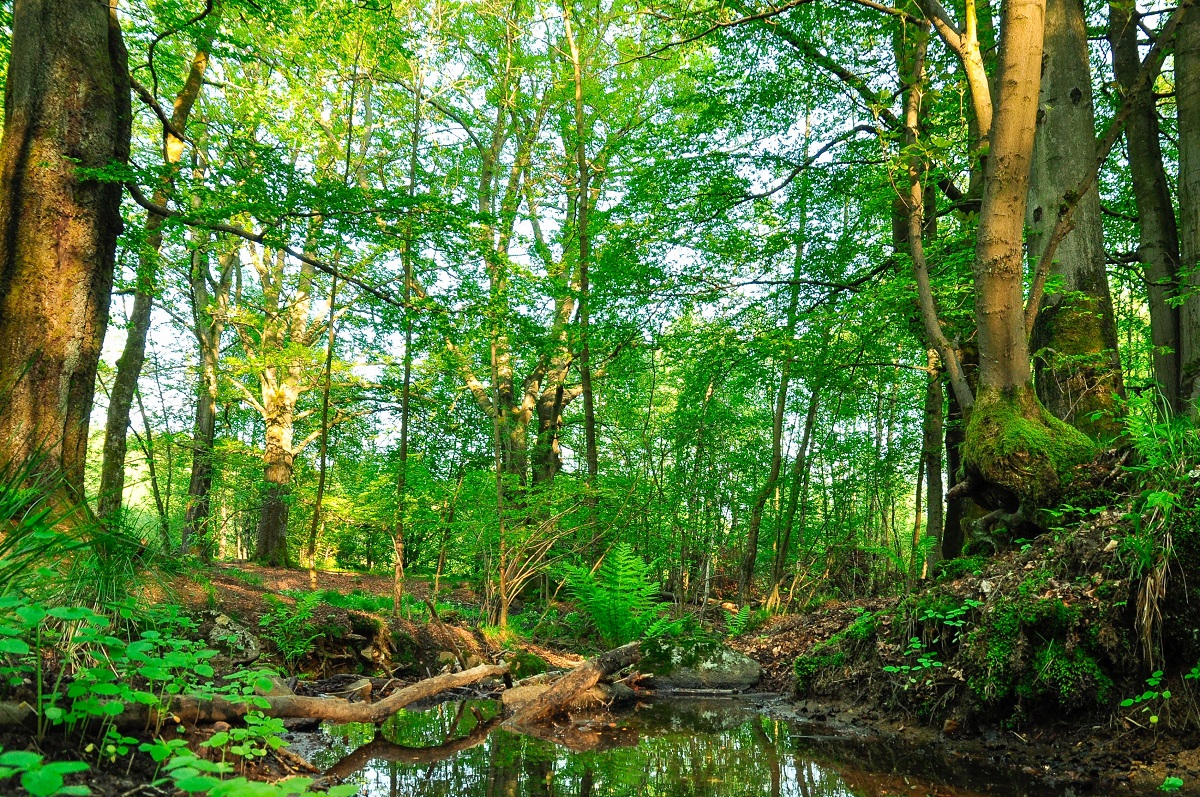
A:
<point x="620" y="598"/>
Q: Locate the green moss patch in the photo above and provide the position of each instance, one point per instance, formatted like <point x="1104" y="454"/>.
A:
<point x="1012" y="441"/>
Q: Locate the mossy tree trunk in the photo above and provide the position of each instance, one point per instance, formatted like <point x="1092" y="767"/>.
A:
<point x="1074" y="339"/>
<point x="66" y="107"/>
<point x="1014" y="447"/>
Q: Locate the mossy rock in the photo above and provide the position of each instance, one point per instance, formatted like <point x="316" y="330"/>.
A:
<point x="524" y="664"/>
<point x="1012" y="441"/>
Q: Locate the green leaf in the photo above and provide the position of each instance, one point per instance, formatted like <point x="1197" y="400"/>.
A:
<point x="42" y="782"/>
<point x="16" y="647"/>
<point x="20" y="759"/>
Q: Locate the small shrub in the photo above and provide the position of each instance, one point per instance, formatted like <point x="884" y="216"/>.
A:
<point x="289" y="628"/>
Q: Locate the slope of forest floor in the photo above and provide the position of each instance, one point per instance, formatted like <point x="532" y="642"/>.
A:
<point x="1031" y="658"/>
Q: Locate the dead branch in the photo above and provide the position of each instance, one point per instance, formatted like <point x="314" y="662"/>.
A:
<point x="577" y="681"/>
<point x="193" y="709"/>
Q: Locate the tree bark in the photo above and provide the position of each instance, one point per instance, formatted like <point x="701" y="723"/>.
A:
<point x="129" y="366"/>
<point x="1074" y="338"/>
<point x="1158" y="234"/>
<point x="1013" y="446"/>
<point x="931" y="450"/>
<point x="66" y="107"/>
<point x="1187" y="100"/>
<point x="209" y="311"/>
<point x="798" y="487"/>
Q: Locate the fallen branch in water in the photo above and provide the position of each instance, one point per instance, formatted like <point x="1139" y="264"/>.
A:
<point x="558" y="697"/>
<point x="192" y="709"/>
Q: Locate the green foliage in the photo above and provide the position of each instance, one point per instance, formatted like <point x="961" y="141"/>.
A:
<point x="260" y="735"/>
<point x="1153" y="700"/>
<point x="952" y="569"/>
<point x="620" y="598"/>
<point x="525" y="664"/>
<point x="918" y="672"/>
<point x="1029" y="650"/>
<point x="250" y="579"/>
<point x="38" y="777"/>
<point x="737" y="624"/>
<point x="288" y="627"/>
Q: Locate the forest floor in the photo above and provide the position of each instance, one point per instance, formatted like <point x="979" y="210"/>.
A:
<point x="1065" y="732"/>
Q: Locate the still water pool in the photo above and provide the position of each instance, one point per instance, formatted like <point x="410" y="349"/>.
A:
<point x="685" y="748"/>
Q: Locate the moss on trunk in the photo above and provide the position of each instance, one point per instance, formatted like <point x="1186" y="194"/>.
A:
<point x="1077" y="369"/>
<point x="1013" y="442"/>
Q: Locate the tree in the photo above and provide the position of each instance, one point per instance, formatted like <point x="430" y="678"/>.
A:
<point x="1074" y="339"/>
<point x="129" y="367"/>
<point x="1187" y="100"/>
<point x="67" y="123"/>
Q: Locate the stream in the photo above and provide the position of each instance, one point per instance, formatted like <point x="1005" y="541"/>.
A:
<point x="690" y="748"/>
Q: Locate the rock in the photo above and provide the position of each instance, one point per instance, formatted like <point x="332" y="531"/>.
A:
<point x="473" y="661"/>
<point x="715" y="668"/>
<point x="279" y="687"/>
<point x="446" y="659"/>
<point x="234" y="640"/>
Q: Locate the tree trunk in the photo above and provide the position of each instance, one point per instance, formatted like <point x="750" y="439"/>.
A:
<point x="129" y="366"/>
<point x="797" y="488"/>
<point x="1158" y="235"/>
<point x="1187" y="100"/>
<point x="66" y="106"/>
<point x="1074" y="338"/>
<point x="209" y="327"/>
<point x="932" y="457"/>
<point x="272" y="548"/>
<point x="1012" y="444"/>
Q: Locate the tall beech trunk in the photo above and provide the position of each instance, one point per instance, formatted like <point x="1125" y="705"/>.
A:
<point x="210" y="307"/>
<point x="285" y="323"/>
<point x="66" y="106"/>
<point x="582" y="202"/>
<point x="1074" y="339"/>
<point x="1187" y="100"/>
<point x="1158" y="235"/>
<point x="1013" y="445"/>
<point x="129" y="366"/>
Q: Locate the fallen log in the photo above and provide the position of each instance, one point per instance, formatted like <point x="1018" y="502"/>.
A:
<point x="565" y="690"/>
<point x="193" y="709"/>
<point x="380" y="749"/>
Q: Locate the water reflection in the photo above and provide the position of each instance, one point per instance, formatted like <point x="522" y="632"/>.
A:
<point x="693" y="749"/>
